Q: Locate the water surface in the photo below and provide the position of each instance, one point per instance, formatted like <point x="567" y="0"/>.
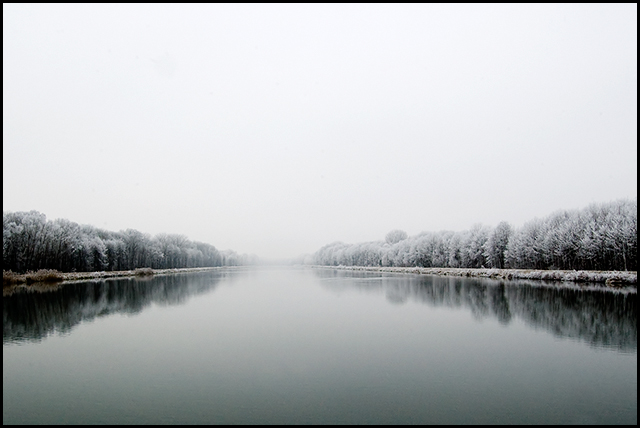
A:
<point x="319" y="346"/>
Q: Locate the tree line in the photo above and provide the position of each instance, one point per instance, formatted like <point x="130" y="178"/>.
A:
<point x="31" y="242"/>
<point x="599" y="237"/>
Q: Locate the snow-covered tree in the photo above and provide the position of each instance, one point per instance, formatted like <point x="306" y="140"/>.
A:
<point x="496" y="245"/>
<point x="602" y="236"/>
<point x="395" y="236"/>
<point x="30" y="242"/>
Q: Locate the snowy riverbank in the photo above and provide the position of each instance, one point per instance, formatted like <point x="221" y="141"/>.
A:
<point x="82" y="276"/>
<point x="52" y="276"/>
<point x="609" y="278"/>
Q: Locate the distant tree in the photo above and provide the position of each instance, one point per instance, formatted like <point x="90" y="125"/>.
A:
<point x="496" y="245"/>
<point x="30" y="242"/>
<point x="473" y="247"/>
<point x="524" y="249"/>
<point x="600" y="237"/>
<point x="440" y="256"/>
<point x="395" y="236"/>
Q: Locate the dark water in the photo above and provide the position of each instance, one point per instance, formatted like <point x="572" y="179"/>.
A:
<point x="275" y="346"/>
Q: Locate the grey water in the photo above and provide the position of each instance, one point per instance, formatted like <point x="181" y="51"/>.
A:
<point x="318" y="346"/>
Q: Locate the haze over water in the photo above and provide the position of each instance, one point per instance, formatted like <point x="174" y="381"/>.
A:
<point x="319" y="346"/>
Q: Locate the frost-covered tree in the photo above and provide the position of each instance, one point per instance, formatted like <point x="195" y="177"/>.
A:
<point x="24" y="236"/>
<point x="395" y="236"/>
<point x="30" y="242"/>
<point x="602" y="236"/>
<point x="525" y="249"/>
<point x="473" y="247"/>
<point x="496" y="245"/>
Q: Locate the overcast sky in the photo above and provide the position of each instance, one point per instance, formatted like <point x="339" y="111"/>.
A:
<point x="277" y="129"/>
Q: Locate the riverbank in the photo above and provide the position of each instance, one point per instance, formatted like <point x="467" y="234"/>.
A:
<point x="52" y="276"/>
<point x="608" y="278"/>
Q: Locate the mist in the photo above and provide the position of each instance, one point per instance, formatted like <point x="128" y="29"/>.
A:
<point x="277" y="129"/>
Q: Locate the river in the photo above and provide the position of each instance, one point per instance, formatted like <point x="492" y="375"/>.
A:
<point x="319" y="346"/>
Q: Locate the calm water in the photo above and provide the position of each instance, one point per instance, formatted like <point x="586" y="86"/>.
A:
<point x="318" y="346"/>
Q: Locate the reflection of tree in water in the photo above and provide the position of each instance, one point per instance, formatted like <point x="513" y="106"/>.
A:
<point x="500" y="304"/>
<point x="31" y="316"/>
<point x="601" y="317"/>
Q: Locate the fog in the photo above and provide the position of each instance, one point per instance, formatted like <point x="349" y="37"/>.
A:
<point x="277" y="129"/>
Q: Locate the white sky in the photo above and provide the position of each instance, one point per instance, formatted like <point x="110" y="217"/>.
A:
<point x="277" y="129"/>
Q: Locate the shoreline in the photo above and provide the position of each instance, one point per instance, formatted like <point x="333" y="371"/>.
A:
<point x="45" y="276"/>
<point x="613" y="279"/>
<point x="83" y="276"/>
